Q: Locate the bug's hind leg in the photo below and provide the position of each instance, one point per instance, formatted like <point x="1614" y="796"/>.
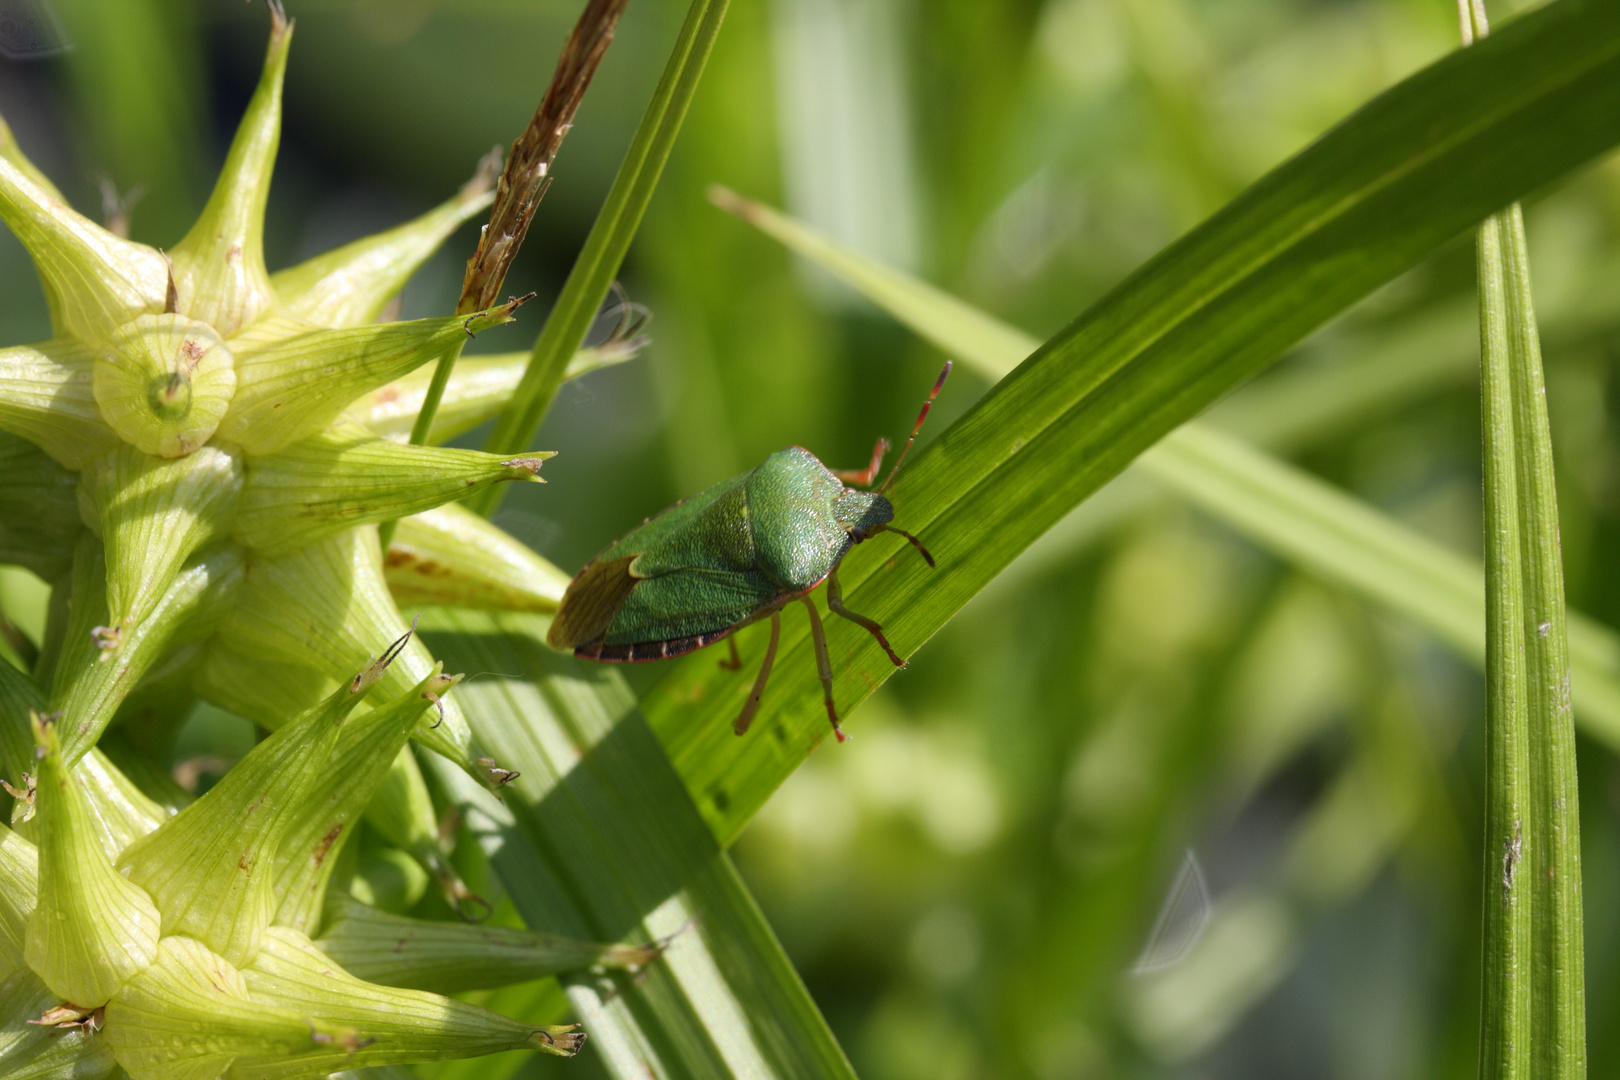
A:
<point x="734" y="661"/>
<point x="864" y="477"/>
<point x="751" y="707"/>
<point x="823" y="665"/>
<point x="835" y="603"/>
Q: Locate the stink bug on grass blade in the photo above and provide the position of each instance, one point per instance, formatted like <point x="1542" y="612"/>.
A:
<point x="737" y="553"/>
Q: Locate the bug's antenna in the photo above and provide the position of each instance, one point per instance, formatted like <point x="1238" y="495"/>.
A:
<point x="904" y="450"/>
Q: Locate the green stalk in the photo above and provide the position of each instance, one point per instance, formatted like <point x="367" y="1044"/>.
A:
<point x="599" y="261"/>
<point x="1533" y="1017"/>
<point x="1505" y="1022"/>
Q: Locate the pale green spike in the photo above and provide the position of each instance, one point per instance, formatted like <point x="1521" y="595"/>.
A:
<point x="290" y="388"/>
<point x="400" y="808"/>
<point x="19" y="890"/>
<point x="479" y="388"/>
<point x="87" y="689"/>
<point x="351" y="285"/>
<point x="42" y="1051"/>
<point x="164" y="383"/>
<point x="346" y="476"/>
<point x="47" y="397"/>
<point x="39" y="509"/>
<point x="452" y="557"/>
<point x="395" y="1026"/>
<point x="219" y="270"/>
<point x="359" y="764"/>
<point x="450" y="958"/>
<point x="211" y="867"/>
<point x="95" y="281"/>
<point x="122" y="812"/>
<point x="91" y="929"/>
<point x="267" y="692"/>
<point x="189" y="1016"/>
<point x="328" y="601"/>
<point x="14" y="154"/>
<point x="152" y="514"/>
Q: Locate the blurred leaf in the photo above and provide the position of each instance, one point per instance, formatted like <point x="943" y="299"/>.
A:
<point x="1408" y="171"/>
<point x="598" y="839"/>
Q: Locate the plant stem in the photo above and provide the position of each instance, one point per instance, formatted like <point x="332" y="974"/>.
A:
<point x="1533" y="1020"/>
<point x="599" y="261"/>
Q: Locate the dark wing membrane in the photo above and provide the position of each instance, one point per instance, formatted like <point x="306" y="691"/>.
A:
<point x="592" y="600"/>
<point x="689" y="603"/>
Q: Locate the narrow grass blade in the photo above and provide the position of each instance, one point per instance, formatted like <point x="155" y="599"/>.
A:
<point x="610" y="237"/>
<point x="1411" y="169"/>
<point x="1533" y="1001"/>
<point x="598" y="840"/>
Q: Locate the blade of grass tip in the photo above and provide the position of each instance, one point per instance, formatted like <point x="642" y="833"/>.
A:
<point x="1533" y="1010"/>
<point x="599" y="261"/>
<point x="522" y="185"/>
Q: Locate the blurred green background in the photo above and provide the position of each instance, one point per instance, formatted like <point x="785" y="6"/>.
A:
<point x="967" y="887"/>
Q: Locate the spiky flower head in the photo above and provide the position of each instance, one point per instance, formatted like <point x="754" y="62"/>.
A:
<point x="198" y="459"/>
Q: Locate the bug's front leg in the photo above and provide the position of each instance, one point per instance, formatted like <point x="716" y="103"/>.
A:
<point x="751" y="707"/>
<point x="733" y="662"/>
<point x="835" y="603"/>
<point x="823" y="664"/>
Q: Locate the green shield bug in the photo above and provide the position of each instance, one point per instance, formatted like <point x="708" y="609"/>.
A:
<point x="737" y="553"/>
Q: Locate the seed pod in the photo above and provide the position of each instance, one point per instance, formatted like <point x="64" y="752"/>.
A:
<point x="91" y="677"/>
<point x="450" y="556"/>
<point x="95" y="281"/>
<point x="46" y="397"/>
<point x="151" y="514"/>
<point x="292" y="384"/>
<point x="452" y="957"/>
<point x="328" y="601"/>
<point x="91" y="929"/>
<point x="404" y="1025"/>
<point x="189" y="1016"/>
<point x="351" y="285"/>
<point x="345" y="476"/>
<point x="165" y="383"/>
<point x="219" y="272"/>
<point x="211" y="866"/>
<point x="358" y="767"/>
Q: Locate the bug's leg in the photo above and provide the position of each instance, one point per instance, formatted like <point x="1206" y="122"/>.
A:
<point x="733" y="662"/>
<point x="823" y="665"/>
<point x="751" y="707"/>
<point x="835" y="603"/>
<point x="864" y="477"/>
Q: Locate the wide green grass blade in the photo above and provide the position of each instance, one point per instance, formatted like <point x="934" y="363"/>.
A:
<point x="599" y="839"/>
<point x="1413" y="168"/>
<point x="599" y="261"/>
<point x="1280" y="507"/>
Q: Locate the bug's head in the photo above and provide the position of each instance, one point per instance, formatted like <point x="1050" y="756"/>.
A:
<point x="862" y="512"/>
<point x="866" y="513"/>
